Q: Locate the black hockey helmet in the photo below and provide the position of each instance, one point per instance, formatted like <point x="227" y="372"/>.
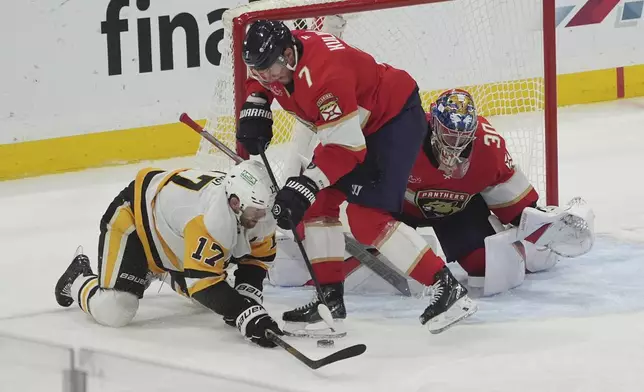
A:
<point x="265" y="42"/>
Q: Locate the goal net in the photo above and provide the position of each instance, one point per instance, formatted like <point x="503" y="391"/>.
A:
<point x="493" y="48"/>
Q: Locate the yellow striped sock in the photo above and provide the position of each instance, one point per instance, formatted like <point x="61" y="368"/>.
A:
<point x="83" y="289"/>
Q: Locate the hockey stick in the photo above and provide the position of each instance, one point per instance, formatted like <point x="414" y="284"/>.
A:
<point x="380" y="267"/>
<point x="323" y="307"/>
<point x="345" y="353"/>
<point x="354" y="248"/>
<point x="184" y="118"/>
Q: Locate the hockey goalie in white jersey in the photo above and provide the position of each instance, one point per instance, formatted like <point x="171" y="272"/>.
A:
<point x="186" y="225"/>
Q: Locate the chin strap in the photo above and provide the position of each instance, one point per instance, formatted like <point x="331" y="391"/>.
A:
<point x="297" y="58"/>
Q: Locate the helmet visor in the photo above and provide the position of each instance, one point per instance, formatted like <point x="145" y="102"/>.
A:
<point x="269" y="73"/>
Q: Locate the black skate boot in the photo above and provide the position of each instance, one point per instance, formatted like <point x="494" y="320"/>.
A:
<point x="305" y="321"/>
<point x="448" y="304"/>
<point x="79" y="266"/>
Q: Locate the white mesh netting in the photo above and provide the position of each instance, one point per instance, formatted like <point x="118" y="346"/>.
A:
<point x="493" y="48"/>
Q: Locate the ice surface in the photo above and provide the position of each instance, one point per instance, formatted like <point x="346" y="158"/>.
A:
<point x="578" y="327"/>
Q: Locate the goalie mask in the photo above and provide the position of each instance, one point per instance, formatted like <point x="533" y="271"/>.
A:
<point x="263" y="50"/>
<point x="453" y="125"/>
<point x="249" y="182"/>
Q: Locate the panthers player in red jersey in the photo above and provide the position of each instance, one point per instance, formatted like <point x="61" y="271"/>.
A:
<point x="370" y="122"/>
<point x="481" y="205"/>
<point x="186" y="225"/>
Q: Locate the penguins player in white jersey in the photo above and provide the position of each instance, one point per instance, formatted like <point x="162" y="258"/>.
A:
<point x="187" y="226"/>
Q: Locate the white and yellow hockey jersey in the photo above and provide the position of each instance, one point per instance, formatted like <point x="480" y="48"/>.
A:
<point x="185" y="225"/>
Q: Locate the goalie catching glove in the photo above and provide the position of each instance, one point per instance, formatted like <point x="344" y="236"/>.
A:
<point x="253" y="324"/>
<point x="567" y="230"/>
<point x="293" y="200"/>
<point x="255" y="124"/>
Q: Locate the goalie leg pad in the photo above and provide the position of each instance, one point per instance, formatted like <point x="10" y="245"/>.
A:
<point x="538" y="258"/>
<point x="504" y="263"/>
<point x="288" y="269"/>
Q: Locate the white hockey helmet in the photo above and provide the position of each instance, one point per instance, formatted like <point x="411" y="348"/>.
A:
<point x="249" y="181"/>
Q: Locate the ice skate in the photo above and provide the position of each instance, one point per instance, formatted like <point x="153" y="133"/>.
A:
<point x="449" y="303"/>
<point x="79" y="266"/>
<point x="305" y="321"/>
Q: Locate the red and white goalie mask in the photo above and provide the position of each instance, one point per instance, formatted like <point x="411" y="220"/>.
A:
<point x="453" y="125"/>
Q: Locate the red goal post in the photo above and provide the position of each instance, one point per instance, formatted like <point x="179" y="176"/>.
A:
<point x="519" y="81"/>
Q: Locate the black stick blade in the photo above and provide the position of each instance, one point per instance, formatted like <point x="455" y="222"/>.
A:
<point x="345" y="353"/>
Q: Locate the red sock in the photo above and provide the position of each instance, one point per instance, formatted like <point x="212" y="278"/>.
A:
<point x="428" y="265"/>
<point x="328" y="272"/>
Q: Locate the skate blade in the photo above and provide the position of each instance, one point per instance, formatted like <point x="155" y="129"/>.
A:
<point x="317" y="330"/>
<point x="460" y="310"/>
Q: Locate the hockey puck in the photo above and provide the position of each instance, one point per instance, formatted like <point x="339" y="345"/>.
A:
<point x="325" y="343"/>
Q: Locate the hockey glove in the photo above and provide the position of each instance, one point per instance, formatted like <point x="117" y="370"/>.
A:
<point x="250" y="292"/>
<point x="253" y="324"/>
<point x="293" y="200"/>
<point x="252" y="296"/>
<point x="255" y="124"/>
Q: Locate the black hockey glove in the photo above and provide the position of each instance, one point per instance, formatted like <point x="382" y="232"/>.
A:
<point x="253" y="324"/>
<point x="250" y="292"/>
<point x="252" y="296"/>
<point x="255" y="124"/>
<point x="294" y="199"/>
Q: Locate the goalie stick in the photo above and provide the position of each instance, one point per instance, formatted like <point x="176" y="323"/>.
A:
<point x="353" y="247"/>
<point x="380" y="267"/>
<point x="345" y="353"/>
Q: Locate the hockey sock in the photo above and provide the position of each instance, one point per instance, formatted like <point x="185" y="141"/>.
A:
<point x="84" y="288"/>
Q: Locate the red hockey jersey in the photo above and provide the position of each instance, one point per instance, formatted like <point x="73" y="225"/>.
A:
<point x="343" y="95"/>
<point x="506" y="190"/>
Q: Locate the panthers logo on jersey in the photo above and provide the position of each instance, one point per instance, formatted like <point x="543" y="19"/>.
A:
<point x="439" y="203"/>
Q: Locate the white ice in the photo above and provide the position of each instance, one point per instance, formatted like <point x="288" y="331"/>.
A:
<point x="578" y="327"/>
